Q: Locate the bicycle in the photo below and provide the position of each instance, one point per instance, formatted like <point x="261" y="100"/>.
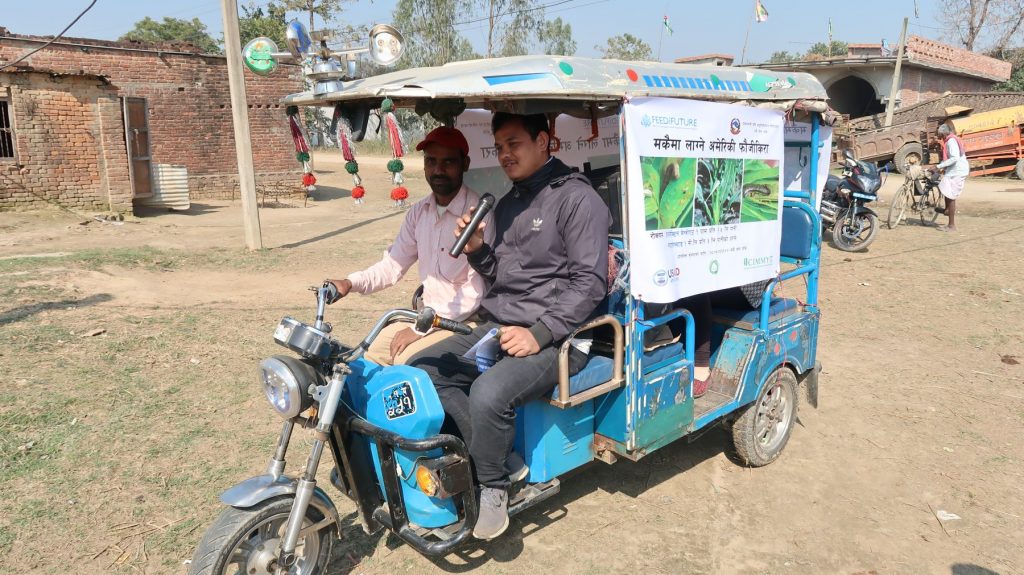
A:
<point x="919" y="194"/>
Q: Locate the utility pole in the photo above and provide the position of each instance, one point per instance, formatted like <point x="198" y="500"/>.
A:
<point x="890" y="106"/>
<point x="240" y="118"/>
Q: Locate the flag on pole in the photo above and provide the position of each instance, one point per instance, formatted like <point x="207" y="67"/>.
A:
<point x="760" y="13"/>
<point x="667" y="27"/>
<point x="829" y="30"/>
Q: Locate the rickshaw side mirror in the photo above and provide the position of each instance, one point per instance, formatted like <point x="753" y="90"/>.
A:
<point x="848" y="160"/>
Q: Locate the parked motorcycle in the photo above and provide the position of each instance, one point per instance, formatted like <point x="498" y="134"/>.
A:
<point x="843" y="209"/>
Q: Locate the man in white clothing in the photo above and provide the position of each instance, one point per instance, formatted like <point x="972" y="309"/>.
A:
<point x="954" y="168"/>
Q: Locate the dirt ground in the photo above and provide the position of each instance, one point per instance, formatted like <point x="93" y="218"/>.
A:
<point x="129" y="403"/>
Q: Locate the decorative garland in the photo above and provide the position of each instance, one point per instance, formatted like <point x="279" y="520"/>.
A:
<point x="351" y="165"/>
<point x="301" y="148"/>
<point x="399" y="194"/>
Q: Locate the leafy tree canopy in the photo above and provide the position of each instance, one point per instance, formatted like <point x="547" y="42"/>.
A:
<point x="173" y="29"/>
<point x="626" y="47"/>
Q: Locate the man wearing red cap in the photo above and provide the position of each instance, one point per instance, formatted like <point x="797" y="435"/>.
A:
<point x="450" y="285"/>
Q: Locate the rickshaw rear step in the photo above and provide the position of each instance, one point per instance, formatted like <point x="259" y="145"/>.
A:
<point x="532" y="494"/>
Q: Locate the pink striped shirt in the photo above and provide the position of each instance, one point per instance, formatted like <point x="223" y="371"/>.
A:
<point x="450" y="285"/>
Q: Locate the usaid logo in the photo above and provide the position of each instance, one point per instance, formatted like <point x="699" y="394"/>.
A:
<point x="660" y="278"/>
<point x="734" y="126"/>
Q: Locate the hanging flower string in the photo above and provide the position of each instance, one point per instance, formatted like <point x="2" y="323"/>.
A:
<point x="301" y="148"/>
<point x="351" y="165"/>
<point x="399" y="194"/>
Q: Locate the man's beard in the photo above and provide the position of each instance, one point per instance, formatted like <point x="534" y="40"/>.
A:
<point x="444" y="187"/>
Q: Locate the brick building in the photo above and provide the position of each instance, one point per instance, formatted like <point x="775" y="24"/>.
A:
<point x="858" y="83"/>
<point x="96" y="124"/>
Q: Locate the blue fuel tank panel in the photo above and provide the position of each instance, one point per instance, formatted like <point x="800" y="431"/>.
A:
<point x="402" y="399"/>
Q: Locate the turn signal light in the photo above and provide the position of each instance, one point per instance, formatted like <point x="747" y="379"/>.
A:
<point x="427" y="481"/>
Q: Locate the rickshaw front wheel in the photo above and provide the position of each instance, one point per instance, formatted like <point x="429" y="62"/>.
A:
<point x="245" y="541"/>
<point x="762" y="430"/>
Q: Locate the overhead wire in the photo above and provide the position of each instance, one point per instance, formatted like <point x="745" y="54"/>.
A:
<point x="54" y="39"/>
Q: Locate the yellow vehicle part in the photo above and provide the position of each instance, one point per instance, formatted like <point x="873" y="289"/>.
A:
<point x="1001" y="118"/>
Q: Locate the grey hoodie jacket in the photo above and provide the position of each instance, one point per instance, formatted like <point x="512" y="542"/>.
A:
<point x="548" y="266"/>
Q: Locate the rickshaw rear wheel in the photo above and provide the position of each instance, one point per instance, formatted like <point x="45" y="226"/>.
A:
<point x="763" y="428"/>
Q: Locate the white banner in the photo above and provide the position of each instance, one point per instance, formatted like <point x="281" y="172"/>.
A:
<point x="798" y="162"/>
<point x="704" y="185"/>
<point x="577" y="145"/>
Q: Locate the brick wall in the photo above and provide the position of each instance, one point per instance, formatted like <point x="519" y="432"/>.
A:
<point x="924" y="50"/>
<point x="189" y="105"/>
<point x="921" y="84"/>
<point x="69" y="142"/>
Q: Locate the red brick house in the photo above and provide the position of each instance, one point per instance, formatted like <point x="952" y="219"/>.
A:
<point x="94" y="124"/>
<point x="858" y="82"/>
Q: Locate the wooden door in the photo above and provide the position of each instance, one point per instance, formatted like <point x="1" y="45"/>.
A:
<point x="136" y="135"/>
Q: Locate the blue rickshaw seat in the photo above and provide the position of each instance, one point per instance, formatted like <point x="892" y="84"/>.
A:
<point x="749" y="318"/>
<point x="599" y="368"/>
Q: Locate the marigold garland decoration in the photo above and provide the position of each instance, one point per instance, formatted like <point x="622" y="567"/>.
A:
<point x="399" y="194"/>
<point x="348" y="153"/>
<point x="301" y="148"/>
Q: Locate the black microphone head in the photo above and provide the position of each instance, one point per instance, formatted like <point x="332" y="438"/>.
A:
<point x="486" y="202"/>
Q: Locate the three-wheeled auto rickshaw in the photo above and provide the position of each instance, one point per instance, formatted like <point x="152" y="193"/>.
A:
<point x="692" y="163"/>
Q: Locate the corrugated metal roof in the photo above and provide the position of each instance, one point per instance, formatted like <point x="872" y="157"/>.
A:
<point x="477" y="82"/>
<point x="170" y="187"/>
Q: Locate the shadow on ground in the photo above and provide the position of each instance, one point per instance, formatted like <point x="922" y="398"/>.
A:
<point x="631" y="479"/>
<point x="27" y="311"/>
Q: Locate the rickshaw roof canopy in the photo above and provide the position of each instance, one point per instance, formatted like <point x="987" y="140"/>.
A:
<point x="482" y="83"/>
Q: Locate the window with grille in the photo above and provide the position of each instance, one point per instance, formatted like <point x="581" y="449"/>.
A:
<point x="6" y="128"/>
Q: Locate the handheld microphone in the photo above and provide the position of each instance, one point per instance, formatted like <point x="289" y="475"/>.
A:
<point x="487" y="202"/>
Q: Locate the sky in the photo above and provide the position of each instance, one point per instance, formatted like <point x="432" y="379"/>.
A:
<point x="700" y="27"/>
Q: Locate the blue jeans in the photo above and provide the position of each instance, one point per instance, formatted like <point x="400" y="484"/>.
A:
<point x="482" y="405"/>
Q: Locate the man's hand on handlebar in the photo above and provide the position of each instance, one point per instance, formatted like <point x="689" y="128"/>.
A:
<point x="402" y="340"/>
<point x="337" y="289"/>
<point x="477" y="239"/>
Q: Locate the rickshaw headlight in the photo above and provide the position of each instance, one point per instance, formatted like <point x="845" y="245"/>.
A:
<point x="427" y="481"/>
<point x="282" y="387"/>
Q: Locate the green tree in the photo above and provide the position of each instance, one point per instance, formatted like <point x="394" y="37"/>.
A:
<point x="781" y="57"/>
<point x="429" y="29"/>
<point x="625" y="47"/>
<point x="821" y="49"/>
<point x="556" y="38"/>
<point x="1015" y="56"/>
<point x="327" y="10"/>
<point x="258" y="21"/>
<point x="511" y="25"/>
<point x="173" y="29"/>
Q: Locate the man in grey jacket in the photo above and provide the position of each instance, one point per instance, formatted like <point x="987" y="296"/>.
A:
<point x="547" y="271"/>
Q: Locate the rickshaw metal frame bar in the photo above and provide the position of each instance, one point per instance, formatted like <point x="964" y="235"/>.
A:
<point x="689" y="338"/>
<point x="810" y="266"/>
<point x="359" y="485"/>
<point x="564" y="399"/>
<point x="395" y="518"/>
